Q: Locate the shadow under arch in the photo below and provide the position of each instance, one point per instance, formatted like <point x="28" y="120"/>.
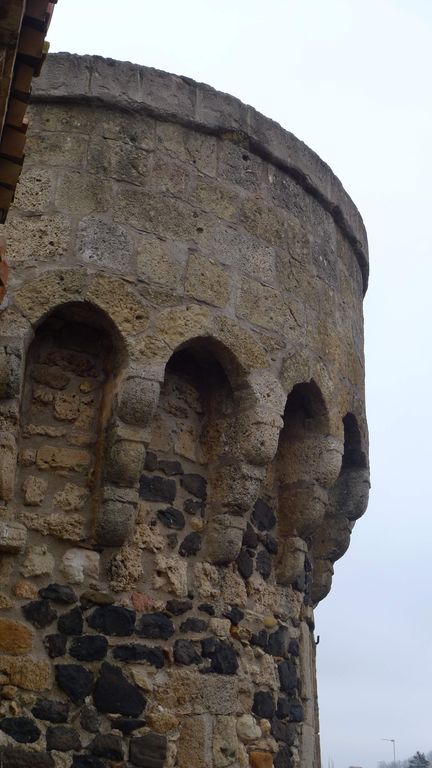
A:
<point x="73" y="364"/>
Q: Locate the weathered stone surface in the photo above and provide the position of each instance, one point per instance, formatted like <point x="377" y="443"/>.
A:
<point x="148" y="751"/>
<point x="78" y="564"/>
<point x="194" y="484"/>
<point x="191" y="544"/>
<point x="13" y="537"/>
<point x="90" y="719"/>
<point x="51" y="710"/>
<point x="186" y="653"/>
<point x="15" y="638"/>
<point x="40" y="613"/>
<point x="113" y="693"/>
<point x="264" y="705"/>
<point x="71" y="623"/>
<point x="108" y="746"/>
<point x="21" y="729"/>
<point x="15" y="757"/>
<point x="225" y="742"/>
<point x="55" y="645"/>
<point x="136" y="652"/>
<point x="157" y="488"/>
<point x="58" y="593"/>
<point x="112" y="620"/>
<point x="89" y="648"/>
<point x="75" y="681"/>
<point x="62" y="738"/>
<point x="172" y="518"/>
<point x="27" y="672"/>
<point x="155" y="626"/>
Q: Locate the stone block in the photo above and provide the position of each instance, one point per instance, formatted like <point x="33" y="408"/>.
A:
<point x="31" y="242"/>
<point x="80" y="193"/>
<point x="13" y="536"/>
<point x="34" y="490"/>
<point x="15" y="638"/>
<point x="34" y="190"/>
<point x="8" y="460"/>
<point x="124" y="462"/>
<point x="224" y="538"/>
<point x="195" y="742"/>
<point x="225" y="743"/>
<point x="78" y="564"/>
<point x="290" y="560"/>
<point x="207" y="281"/>
<point x="55" y="148"/>
<point x="119" y="302"/>
<point x="38" y="561"/>
<point x="115" y="523"/>
<point x="158" y="262"/>
<point x="138" y="400"/>
<point x="262" y="306"/>
<point x="120" y="160"/>
<point x="62" y="459"/>
<point x="105" y="245"/>
<point x="302" y="508"/>
<point x="27" y="672"/>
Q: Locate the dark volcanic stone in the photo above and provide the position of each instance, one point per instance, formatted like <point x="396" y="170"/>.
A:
<point x="172" y="540"/>
<point x="89" y="648"/>
<point x="207" y="608"/>
<point x="263" y="705"/>
<point x="75" y="681"/>
<point x="195" y="484"/>
<point x="287" y="676"/>
<point x="55" y="645"/>
<point x="186" y="653"/>
<point x="278" y="642"/>
<point x="14" y="757"/>
<point x="151" y="461"/>
<point x="148" y="751"/>
<point x="283" y="731"/>
<point x="245" y="564"/>
<point x="170" y="467"/>
<point x="95" y="597"/>
<point x="296" y="713"/>
<point x="53" y="711"/>
<point x="113" y="693"/>
<point x="107" y="745"/>
<point x="193" y="507"/>
<point x="264" y="564"/>
<point x="222" y="654"/>
<point x="190" y="545"/>
<point x="270" y="544"/>
<point x="136" y="652"/>
<point x="299" y="584"/>
<point x="263" y="516"/>
<point x="62" y="738"/>
<point x="112" y="620"/>
<point x="59" y="593"/>
<point x="21" y="729"/>
<point x="260" y="639"/>
<point x="155" y="626"/>
<point x="87" y="761"/>
<point x="172" y="518"/>
<point x="127" y="725"/>
<point x="157" y="488"/>
<point x="193" y="624"/>
<point x="283" y="707"/>
<point x="40" y="613"/>
<point x="71" y="623"/>
<point x="283" y="759"/>
<point x="250" y="538"/>
<point x="235" y="615"/>
<point x="178" y="607"/>
<point x="90" y="719"/>
<point x="294" y="648"/>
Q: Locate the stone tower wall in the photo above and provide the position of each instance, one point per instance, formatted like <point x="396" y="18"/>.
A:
<point x="183" y="438"/>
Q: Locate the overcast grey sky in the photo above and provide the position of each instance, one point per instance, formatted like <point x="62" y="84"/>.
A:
<point x="351" y="78"/>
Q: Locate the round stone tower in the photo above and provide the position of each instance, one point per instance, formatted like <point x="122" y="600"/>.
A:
<point x="183" y="445"/>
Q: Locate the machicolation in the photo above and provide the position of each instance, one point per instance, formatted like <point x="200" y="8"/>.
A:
<point x="183" y="440"/>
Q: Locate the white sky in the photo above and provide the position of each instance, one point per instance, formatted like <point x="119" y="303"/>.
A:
<point x="351" y="78"/>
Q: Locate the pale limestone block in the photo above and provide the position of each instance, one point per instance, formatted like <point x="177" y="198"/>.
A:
<point x="34" y="490"/>
<point x="13" y="536"/>
<point x="225" y="743"/>
<point x="38" y="561"/>
<point x="78" y="564"/>
<point x="171" y="574"/>
<point x="8" y="460"/>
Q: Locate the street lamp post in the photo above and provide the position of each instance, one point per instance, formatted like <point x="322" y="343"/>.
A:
<point x="393" y="741"/>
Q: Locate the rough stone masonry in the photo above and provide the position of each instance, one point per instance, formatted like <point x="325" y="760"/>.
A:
<point x="183" y="442"/>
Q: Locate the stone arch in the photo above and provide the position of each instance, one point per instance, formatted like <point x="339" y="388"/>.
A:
<point x="307" y="462"/>
<point x="348" y="499"/>
<point x="73" y="365"/>
<point x="208" y="405"/>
